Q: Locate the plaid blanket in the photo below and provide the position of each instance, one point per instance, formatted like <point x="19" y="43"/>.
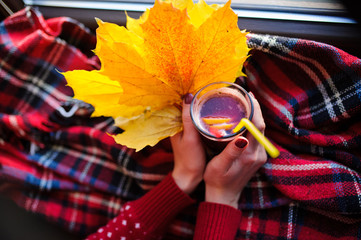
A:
<point x="58" y="162"/>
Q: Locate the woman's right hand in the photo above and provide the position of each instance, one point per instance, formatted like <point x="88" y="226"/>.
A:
<point x="189" y="154"/>
<point x="227" y="174"/>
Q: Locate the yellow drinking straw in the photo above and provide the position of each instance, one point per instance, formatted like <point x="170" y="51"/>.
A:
<point x="270" y="148"/>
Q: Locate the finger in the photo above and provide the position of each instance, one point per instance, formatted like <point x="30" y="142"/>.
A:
<point x="231" y="153"/>
<point x="259" y="123"/>
<point x="257" y="119"/>
<point x="188" y="127"/>
<point x="186" y="119"/>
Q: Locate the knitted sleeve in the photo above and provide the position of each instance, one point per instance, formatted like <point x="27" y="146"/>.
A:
<point x="147" y="217"/>
<point x="217" y="222"/>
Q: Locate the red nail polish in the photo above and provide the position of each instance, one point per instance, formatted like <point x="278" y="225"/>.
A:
<point x="188" y="98"/>
<point x="241" y="143"/>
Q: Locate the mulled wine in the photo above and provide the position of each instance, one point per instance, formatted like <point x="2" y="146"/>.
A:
<point x="217" y="109"/>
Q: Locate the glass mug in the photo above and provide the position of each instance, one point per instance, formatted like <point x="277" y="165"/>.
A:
<point x="216" y="110"/>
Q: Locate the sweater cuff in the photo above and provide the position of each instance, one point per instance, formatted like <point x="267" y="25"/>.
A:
<point x="161" y="204"/>
<point x="217" y="221"/>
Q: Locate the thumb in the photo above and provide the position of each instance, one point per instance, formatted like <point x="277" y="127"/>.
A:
<point x="231" y="153"/>
<point x="188" y="126"/>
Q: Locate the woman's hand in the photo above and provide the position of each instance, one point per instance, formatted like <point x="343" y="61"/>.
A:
<point x="227" y="173"/>
<point x="189" y="154"/>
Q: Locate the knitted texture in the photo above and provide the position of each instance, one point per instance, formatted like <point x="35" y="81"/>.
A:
<point x="58" y="162"/>
<point x="147" y="217"/>
<point x="216" y="222"/>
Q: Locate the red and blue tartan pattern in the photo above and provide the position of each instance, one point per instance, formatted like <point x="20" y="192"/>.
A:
<point x="58" y="162"/>
<point x="310" y="98"/>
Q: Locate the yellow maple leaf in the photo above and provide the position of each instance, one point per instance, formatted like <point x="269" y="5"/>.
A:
<point x="149" y="128"/>
<point x="174" y="48"/>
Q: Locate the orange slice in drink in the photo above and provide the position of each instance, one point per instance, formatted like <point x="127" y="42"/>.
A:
<point x="215" y="120"/>
<point x="224" y="126"/>
<point x="215" y="132"/>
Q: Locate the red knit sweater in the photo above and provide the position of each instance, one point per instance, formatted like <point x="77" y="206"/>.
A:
<point x="148" y="217"/>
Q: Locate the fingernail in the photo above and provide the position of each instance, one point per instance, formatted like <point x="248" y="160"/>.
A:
<point x="251" y="93"/>
<point x="241" y="143"/>
<point x="188" y="98"/>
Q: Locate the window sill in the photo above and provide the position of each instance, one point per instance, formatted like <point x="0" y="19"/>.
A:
<point x="337" y="30"/>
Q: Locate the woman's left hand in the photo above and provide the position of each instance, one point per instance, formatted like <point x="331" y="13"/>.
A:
<point x="227" y="174"/>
